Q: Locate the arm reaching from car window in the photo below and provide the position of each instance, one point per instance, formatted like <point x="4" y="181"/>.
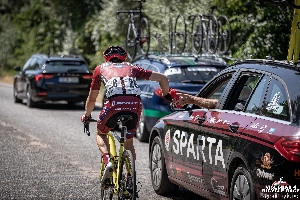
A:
<point x="162" y="80"/>
<point x="199" y="101"/>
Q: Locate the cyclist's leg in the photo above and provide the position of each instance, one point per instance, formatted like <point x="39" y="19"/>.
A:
<point x="103" y="145"/>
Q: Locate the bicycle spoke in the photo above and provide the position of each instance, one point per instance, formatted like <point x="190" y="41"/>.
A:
<point x="180" y="34"/>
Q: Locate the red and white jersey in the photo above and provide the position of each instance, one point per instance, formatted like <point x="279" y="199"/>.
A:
<point x="119" y="78"/>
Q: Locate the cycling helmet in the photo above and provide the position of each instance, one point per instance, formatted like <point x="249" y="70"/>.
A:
<point x="115" y="52"/>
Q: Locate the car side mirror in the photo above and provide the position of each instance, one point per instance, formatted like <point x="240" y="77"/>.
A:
<point x="18" y="68"/>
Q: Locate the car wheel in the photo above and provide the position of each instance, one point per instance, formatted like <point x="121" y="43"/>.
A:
<point x="142" y="134"/>
<point x="159" y="176"/>
<point x="242" y="185"/>
<point x="16" y="99"/>
<point x="29" y="102"/>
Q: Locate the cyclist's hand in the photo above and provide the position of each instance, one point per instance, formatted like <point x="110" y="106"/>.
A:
<point x="83" y="118"/>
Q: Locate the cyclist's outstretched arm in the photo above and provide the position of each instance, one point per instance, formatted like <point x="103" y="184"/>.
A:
<point x="162" y="80"/>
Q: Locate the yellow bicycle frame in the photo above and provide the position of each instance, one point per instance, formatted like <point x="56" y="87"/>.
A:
<point x="294" y="46"/>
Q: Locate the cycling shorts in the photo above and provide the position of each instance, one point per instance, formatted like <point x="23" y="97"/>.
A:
<point x="120" y="105"/>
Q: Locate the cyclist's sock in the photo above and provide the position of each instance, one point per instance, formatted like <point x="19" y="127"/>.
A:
<point x="105" y="157"/>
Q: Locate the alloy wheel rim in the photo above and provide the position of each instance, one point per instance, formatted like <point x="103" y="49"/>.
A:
<point x="241" y="188"/>
<point x="156" y="163"/>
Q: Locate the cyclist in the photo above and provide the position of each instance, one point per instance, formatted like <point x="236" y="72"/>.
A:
<point x="122" y="97"/>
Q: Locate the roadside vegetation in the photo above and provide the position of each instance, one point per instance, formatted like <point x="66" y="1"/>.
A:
<point x="90" y="26"/>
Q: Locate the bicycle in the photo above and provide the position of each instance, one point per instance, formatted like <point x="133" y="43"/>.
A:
<point x="120" y="184"/>
<point x="137" y="36"/>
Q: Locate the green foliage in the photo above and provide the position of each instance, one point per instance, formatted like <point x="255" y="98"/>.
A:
<point x="88" y="27"/>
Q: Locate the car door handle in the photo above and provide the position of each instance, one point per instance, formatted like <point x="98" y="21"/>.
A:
<point x="234" y="127"/>
<point x="201" y="120"/>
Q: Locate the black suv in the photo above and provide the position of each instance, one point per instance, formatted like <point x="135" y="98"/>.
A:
<point x="186" y="73"/>
<point x="52" y="78"/>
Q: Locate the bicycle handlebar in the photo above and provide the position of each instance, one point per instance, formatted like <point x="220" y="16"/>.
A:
<point x="86" y="125"/>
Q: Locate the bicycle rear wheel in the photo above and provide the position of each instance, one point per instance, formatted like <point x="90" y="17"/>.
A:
<point x="224" y="34"/>
<point x="105" y="193"/>
<point x="127" y="181"/>
<point x="197" y="34"/>
<point x="130" y="43"/>
<point x="180" y="34"/>
<point x="145" y="36"/>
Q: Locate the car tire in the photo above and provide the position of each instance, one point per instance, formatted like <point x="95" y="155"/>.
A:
<point x="159" y="176"/>
<point x="29" y="102"/>
<point x="16" y="99"/>
<point x="142" y="134"/>
<point x="242" y="184"/>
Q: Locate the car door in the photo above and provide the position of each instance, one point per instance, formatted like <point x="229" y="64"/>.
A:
<point x="192" y="146"/>
<point x="220" y="128"/>
<point x="21" y="79"/>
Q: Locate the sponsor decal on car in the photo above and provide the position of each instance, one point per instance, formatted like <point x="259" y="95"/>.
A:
<point x="196" y="179"/>
<point x="262" y="174"/>
<point x="217" y="188"/>
<point x="297" y="174"/>
<point x="257" y="126"/>
<point x="266" y="161"/>
<point x="182" y="140"/>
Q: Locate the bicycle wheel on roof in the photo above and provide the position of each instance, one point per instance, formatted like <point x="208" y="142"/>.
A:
<point x="212" y="34"/>
<point x="224" y="36"/>
<point x="197" y="34"/>
<point x="131" y="42"/>
<point x="180" y="34"/>
<point x="145" y="36"/>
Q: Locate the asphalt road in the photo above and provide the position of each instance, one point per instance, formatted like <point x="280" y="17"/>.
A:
<point x="46" y="155"/>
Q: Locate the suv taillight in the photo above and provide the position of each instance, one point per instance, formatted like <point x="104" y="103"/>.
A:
<point x="43" y="76"/>
<point x="289" y="147"/>
<point x="87" y="76"/>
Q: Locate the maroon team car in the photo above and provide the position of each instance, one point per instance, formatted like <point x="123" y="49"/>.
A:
<point x="248" y="147"/>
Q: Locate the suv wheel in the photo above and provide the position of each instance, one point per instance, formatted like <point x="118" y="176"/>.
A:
<point x="142" y="134"/>
<point x="29" y="102"/>
<point x="16" y="99"/>
<point x="242" y="184"/>
<point x="159" y="176"/>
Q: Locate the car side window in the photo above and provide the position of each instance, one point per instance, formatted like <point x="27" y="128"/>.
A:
<point x="255" y="104"/>
<point x="33" y="64"/>
<point x="276" y="102"/>
<point x="27" y="64"/>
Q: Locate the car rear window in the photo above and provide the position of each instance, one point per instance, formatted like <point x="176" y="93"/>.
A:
<point x="65" y="66"/>
<point x="192" y="74"/>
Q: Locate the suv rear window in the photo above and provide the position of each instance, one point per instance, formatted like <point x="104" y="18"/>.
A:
<point x="65" y="66"/>
<point x="191" y="74"/>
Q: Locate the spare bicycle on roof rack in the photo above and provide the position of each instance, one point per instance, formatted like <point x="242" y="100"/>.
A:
<point x="210" y="34"/>
<point x="138" y="33"/>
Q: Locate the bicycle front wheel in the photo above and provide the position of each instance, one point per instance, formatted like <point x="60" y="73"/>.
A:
<point x="180" y="34"/>
<point x="127" y="177"/>
<point x="145" y="36"/>
<point x="130" y="43"/>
